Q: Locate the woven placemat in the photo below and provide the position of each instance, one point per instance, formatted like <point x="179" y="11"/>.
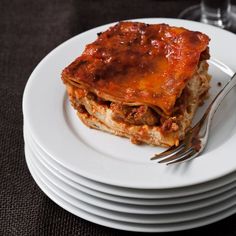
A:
<point x="29" y="30"/>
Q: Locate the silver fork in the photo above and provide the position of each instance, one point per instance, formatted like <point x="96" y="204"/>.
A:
<point x="196" y="138"/>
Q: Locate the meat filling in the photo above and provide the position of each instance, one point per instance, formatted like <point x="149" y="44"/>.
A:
<point x="137" y="115"/>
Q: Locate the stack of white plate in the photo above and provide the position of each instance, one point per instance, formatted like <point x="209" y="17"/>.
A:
<point x="106" y="179"/>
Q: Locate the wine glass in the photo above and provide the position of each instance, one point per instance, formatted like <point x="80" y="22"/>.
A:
<point x="215" y="12"/>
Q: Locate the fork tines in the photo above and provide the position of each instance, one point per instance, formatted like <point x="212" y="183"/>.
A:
<point x="176" y="154"/>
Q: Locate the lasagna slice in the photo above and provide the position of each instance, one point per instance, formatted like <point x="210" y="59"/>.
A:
<point x="141" y="81"/>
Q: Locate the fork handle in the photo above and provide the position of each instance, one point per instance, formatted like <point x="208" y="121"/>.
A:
<point x="216" y="103"/>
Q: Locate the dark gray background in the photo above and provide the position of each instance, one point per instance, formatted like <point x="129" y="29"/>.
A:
<point x="28" y="31"/>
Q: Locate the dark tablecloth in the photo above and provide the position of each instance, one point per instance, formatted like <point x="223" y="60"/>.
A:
<point x="28" y="31"/>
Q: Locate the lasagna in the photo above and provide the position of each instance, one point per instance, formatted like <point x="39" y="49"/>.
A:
<point x="140" y="81"/>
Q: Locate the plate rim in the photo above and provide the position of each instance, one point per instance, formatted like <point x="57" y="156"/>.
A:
<point x="115" y="198"/>
<point x="207" y="201"/>
<point x="125" y="225"/>
<point x="230" y="181"/>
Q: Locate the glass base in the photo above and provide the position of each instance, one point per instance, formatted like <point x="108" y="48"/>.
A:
<point x="194" y="13"/>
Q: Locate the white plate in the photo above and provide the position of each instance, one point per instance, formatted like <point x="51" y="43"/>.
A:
<point x="127" y="208"/>
<point x="134" y="201"/>
<point x="66" y="202"/>
<point x="167" y="196"/>
<point x="161" y="218"/>
<point x="113" y="160"/>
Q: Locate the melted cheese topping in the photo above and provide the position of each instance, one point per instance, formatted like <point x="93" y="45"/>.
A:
<point x="136" y="63"/>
